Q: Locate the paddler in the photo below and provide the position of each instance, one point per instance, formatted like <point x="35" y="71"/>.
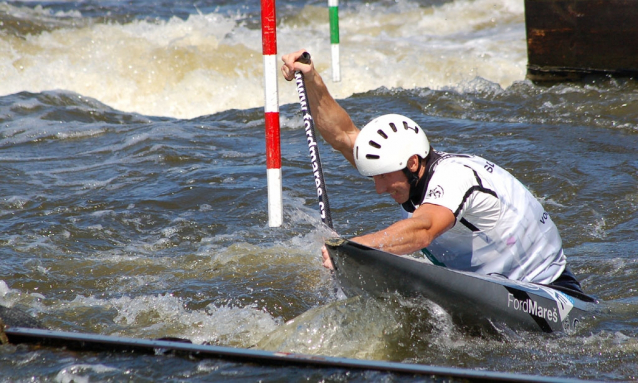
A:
<point x="462" y="211"/>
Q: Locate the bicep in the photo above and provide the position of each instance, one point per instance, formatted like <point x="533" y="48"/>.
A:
<point x="450" y="187"/>
<point x="437" y="219"/>
<point x="339" y="131"/>
<point x="332" y="121"/>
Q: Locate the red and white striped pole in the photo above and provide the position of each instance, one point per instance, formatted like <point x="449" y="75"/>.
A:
<point x="271" y="111"/>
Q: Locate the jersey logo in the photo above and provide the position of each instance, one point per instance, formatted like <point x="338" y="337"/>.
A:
<point x="435" y="193"/>
<point x="489" y="167"/>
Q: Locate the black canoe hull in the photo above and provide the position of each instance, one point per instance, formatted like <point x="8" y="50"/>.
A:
<point x="471" y="299"/>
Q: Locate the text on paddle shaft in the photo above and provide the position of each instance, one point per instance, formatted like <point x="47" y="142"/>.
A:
<point x="532" y="307"/>
<point x="312" y="143"/>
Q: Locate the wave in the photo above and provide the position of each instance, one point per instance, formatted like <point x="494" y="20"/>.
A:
<point x="210" y="62"/>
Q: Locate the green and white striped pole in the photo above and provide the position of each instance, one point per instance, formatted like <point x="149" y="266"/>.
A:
<point x="333" y="8"/>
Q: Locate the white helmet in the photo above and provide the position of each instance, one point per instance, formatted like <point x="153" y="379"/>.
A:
<point x="386" y="143"/>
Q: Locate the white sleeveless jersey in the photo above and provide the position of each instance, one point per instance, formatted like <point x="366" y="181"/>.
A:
<point x="500" y="227"/>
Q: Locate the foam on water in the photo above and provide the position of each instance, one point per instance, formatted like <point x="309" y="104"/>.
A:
<point x="117" y="293"/>
<point x="213" y="62"/>
<point x="77" y="373"/>
<point x="166" y="315"/>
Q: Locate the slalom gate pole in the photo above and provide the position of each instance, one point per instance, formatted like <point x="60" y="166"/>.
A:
<point x="271" y="112"/>
<point x="333" y="9"/>
<point x="322" y="194"/>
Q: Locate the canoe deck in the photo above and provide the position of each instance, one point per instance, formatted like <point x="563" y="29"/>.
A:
<point x="471" y="299"/>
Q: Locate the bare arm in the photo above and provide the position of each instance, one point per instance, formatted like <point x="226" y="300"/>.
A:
<point x="332" y="121"/>
<point x="411" y="234"/>
<point x="408" y="235"/>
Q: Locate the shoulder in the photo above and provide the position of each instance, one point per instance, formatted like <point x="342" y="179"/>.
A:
<point x="453" y="180"/>
<point x="451" y="171"/>
<point x="465" y="167"/>
<point x="454" y="159"/>
<point x="449" y="185"/>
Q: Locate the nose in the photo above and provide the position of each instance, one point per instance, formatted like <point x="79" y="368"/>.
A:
<point x="379" y="185"/>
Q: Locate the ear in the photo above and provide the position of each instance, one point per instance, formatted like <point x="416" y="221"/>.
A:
<point x="413" y="163"/>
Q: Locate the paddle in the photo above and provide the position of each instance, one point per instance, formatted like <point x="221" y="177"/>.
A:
<point x="270" y="359"/>
<point x="322" y="194"/>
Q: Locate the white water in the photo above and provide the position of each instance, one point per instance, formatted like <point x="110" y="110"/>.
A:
<point x="211" y="62"/>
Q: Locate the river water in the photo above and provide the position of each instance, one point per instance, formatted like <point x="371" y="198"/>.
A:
<point x="133" y="198"/>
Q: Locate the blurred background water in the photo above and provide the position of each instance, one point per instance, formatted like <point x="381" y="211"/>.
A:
<point x="133" y="198"/>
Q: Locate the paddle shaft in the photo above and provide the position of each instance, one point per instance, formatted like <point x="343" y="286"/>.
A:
<point x="270" y="359"/>
<point x="309" y="124"/>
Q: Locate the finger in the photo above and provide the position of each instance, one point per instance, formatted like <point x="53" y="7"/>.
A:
<point x="285" y="71"/>
<point x="328" y="264"/>
<point x="291" y="62"/>
<point x="291" y="58"/>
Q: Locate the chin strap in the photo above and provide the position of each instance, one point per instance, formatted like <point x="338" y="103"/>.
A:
<point x="418" y="185"/>
<point x="413" y="177"/>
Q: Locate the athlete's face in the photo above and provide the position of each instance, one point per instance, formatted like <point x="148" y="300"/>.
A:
<point x="395" y="183"/>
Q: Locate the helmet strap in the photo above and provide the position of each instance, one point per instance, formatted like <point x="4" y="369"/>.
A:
<point x="418" y="185"/>
<point x="413" y="177"/>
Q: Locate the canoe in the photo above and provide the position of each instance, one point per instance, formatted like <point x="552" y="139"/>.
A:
<point x="471" y="299"/>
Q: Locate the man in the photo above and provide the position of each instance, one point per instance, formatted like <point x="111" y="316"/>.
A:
<point x="471" y="214"/>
